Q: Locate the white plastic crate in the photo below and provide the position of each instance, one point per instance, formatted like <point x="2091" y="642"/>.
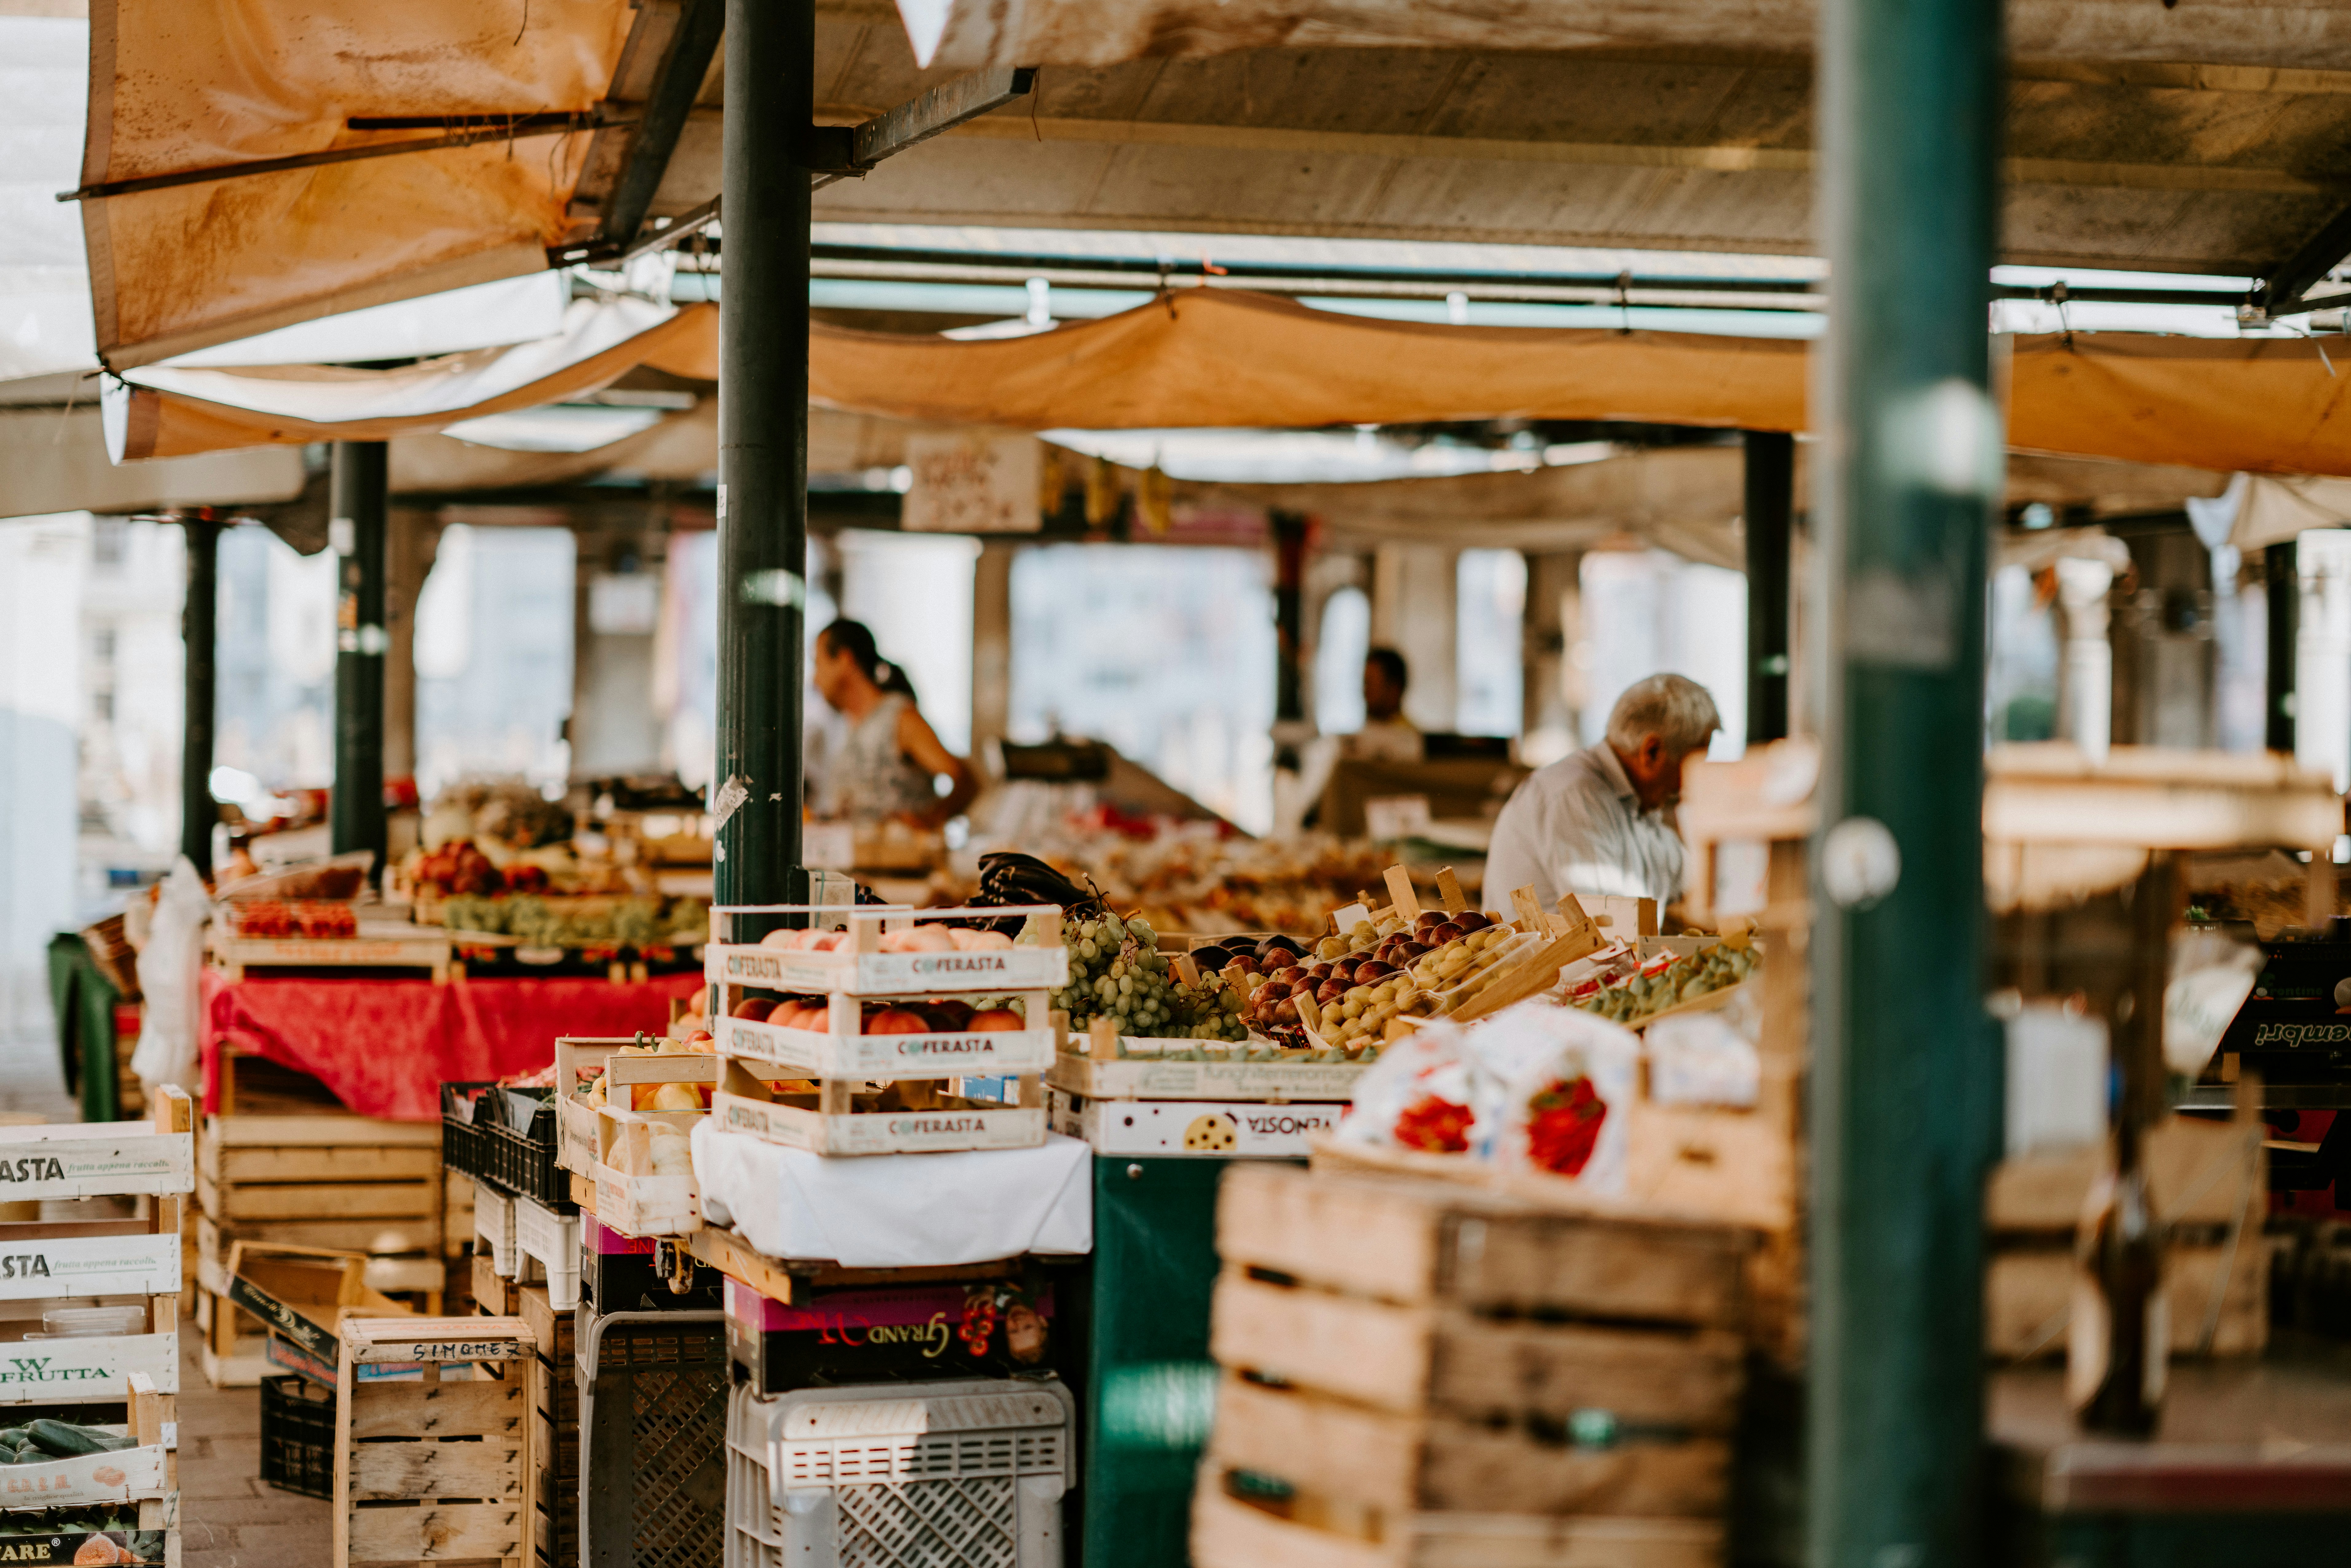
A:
<point x="554" y="1240"/>
<point x="933" y="1475"/>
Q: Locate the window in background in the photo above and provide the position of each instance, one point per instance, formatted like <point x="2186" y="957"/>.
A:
<point x="914" y="592"/>
<point x="494" y="674"/>
<point x="1345" y="637"/>
<point x="275" y="667"/>
<point x="1166" y="652"/>
<point x="1488" y="640"/>
<point x="1649" y="611"/>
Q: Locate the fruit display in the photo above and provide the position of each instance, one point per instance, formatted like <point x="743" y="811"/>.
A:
<point x="457" y="867"/>
<point x="1117" y="971"/>
<point x="945" y="1014"/>
<point x="1372" y="974"/>
<point x="937" y="936"/>
<point x="596" y="922"/>
<point x="1636" y="994"/>
<point x="1185" y="877"/>
<point x="293" y="917"/>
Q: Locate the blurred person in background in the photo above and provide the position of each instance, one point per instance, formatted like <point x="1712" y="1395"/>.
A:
<point x="1602" y="822"/>
<point x="1386" y="736"/>
<point x="887" y="767"/>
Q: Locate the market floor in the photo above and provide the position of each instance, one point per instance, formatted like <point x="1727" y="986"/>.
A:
<point x="228" y="1519"/>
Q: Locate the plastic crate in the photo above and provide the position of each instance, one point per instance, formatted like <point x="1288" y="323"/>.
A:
<point x="520" y="1134"/>
<point x="652" y="1431"/>
<point x="966" y="1474"/>
<point x="297" y="1436"/>
<point x="465" y="1108"/>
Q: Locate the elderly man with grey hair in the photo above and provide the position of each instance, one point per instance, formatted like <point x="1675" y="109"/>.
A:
<point x="1601" y="821"/>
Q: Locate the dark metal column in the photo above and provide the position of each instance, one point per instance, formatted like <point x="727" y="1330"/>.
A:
<point x="199" y="628"/>
<point x="1770" y="518"/>
<point x="1906" y="1073"/>
<point x="763" y="448"/>
<point x="1289" y="616"/>
<point x="357" y="498"/>
<point x="2282" y="576"/>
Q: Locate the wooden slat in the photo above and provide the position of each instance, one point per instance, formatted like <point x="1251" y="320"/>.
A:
<point x="482" y="1405"/>
<point x="335" y="1131"/>
<point x="1387" y="1461"/>
<point x="1227" y="1534"/>
<point x="2198" y="1173"/>
<point x="1376" y="1352"/>
<point x="320" y="1200"/>
<point x="1414" y="1240"/>
<point x="2029" y="1295"/>
<point x="318" y="1163"/>
<point x="443" y="1532"/>
<point x="438" y="1469"/>
<point x="1486" y="1368"/>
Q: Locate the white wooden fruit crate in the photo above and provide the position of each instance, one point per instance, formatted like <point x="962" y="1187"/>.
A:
<point x="827" y="1122"/>
<point x="1036" y="961"/>
<point x="76" y="1261"/>
<point x="576" y="1134"/>
<point x="631" y="1198"/>
<point x="840" y="1050"/>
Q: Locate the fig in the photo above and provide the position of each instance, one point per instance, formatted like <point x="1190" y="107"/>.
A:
<point x="1290" y="976"/>
<point x="1407" y="952"/>
<point x="1429" y="920"/>
<point x="1285" y="1010"/>
<point x="1245" y="963"/>
<point x="1448" y="931"/>
<point x="1470" y="920"/>
<point x="1289" y="944"/>
<point x="1372" y="969"/>
<point x="1330" y="991"/>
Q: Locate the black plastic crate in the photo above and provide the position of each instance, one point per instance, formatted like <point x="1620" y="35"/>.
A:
<point x="518" y="1130"/>
<point x="652" y="1439"/>
<point x="463" y="1146"/>
<point x="297" y="1436"/>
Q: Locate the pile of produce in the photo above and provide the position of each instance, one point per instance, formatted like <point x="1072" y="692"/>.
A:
<point x="38" y="1442"/>
<point x="511" y="813"/>
<point x="1190" y="878"/>
<point x="948" y="1015"/>
<point x="1635" y="995"/>
<point x="293" y="917"/>
<point x="540" y="922"/>
<point x="457" y="867"/>
<point x="1372" y="974"/>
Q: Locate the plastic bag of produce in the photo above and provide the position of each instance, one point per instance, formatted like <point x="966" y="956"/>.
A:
<point x="1418" y="1095"/>
<point x="1708" y="1057"/>
<point x="1551" y="1085"/>
<point x="167" y="976"/>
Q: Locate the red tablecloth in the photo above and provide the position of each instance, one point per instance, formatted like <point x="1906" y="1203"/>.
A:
<point x="385" y="1047"/>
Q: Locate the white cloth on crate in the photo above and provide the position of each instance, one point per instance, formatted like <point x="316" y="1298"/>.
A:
<point x="1577" y="826"/>
<point x="899" y="1211"/>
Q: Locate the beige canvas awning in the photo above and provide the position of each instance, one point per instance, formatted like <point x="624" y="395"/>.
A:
<point x="177" y="86"/>
<point x="170" y="412"/>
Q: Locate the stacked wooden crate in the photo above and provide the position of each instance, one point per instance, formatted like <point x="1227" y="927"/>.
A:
<point x="2208" y="1181"/>
<point x="430" y="1471"/>
<point x="1422" y="1372"/>
<point x="298" y="1168"/>
<point x="551" y="1400"/>
<point x="94" y="1256"/>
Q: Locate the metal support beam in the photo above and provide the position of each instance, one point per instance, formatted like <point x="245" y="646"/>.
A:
<point x="2282" y="578"/>
<point x="1289" y="616"/>
<point x="2282" y="288"/>
<point x="507" y="130"/>
<point x="199" y="627"/>
<point x="1768" y="521"/>
<point x="763" y="451"/>
<point x="662" y="120"/>
<point x="1906" y="1070"/>
<point x="855" y="150"/>
<point x="359" y="497"/>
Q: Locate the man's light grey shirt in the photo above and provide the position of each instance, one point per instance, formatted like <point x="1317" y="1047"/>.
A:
<point x="1577" y="827"/>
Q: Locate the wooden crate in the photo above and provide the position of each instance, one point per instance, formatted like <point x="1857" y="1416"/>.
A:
<point x="431" y="1471"/>
<point x="354" y="1172"/>
<point x="1406" y="1360"/>
<point x="429" y="951"/>
<point x="74" y="1261"/>
<point x="2209" y="1181"/>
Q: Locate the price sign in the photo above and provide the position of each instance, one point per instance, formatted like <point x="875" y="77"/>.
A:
<point x="1391" y="816"/>
<point x="972" y="484"/>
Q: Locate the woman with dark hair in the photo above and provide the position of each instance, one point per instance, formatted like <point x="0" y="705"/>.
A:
<point x="888" y="766"/>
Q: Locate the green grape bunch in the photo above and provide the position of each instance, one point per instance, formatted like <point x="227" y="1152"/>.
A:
<point x="1116" y="971"/>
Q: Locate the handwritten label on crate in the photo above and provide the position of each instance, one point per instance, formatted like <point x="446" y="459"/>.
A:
<point x="440" y="1350"/>
<point x="83" y="1479"/>
<point x="34" y="1372"/>
<point x="95" y="1159"/>
<point x="143" y="1265"/>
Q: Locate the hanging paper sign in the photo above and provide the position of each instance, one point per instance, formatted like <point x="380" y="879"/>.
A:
<point x="972" y="484"/>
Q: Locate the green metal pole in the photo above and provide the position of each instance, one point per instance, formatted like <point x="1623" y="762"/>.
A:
<point x="1906" y="1072"/>
<point x="357" y="500"/>
<point x="199" y="624"/>
<point x="763" y="449"/>
<point x="1769" y="520"/>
